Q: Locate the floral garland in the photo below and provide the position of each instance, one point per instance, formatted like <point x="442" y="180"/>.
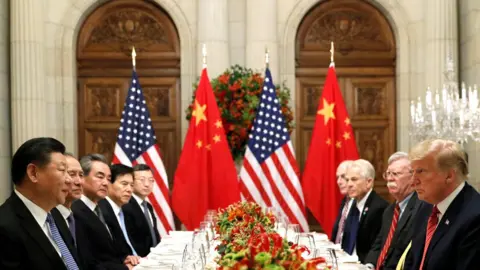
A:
<point x="238" y="91"/>
<point x="249" y="242"/>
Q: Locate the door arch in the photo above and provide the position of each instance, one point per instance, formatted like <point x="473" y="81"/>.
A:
<point x="104" y="68"/>
<point x="365" y="60"/>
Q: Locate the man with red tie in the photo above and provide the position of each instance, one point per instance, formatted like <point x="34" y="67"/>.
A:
<point x="398" y="218"/>
<point x="447" y="226"/>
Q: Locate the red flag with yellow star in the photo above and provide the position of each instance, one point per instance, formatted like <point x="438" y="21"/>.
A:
<point x="206" y="178"/>
<point x="332" y="142"/>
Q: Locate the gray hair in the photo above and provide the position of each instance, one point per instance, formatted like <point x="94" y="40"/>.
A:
<point x="343" y="166"/>
<point x="366" y="168"/>
<point x="397" y="156"/>
<point x="87" y="160"/>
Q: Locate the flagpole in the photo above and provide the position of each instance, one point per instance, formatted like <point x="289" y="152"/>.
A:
<point x="332" y="51"/>
<point x="267" y="58"/>
<point x="134" y="54"/>
<point x="204" y="53"/>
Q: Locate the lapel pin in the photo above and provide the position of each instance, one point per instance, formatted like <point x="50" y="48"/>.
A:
<point x="447" y="222"/>
<point x="365" y="211"/>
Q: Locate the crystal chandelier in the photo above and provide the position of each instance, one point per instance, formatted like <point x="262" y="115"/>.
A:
<point x="450" y="113"/>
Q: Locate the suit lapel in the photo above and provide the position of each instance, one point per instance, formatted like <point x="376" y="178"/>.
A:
<point x="363" y="215"/>
<point x="65" y="233"/>
<point x="31" y="226"/>
<point x="154" y="222"/>
<point x="406" y="215"/>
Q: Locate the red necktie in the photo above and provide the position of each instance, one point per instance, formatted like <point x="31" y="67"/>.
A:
<point x="393" y="226"/>
<point x="431" y="227"/>
<point x="341" y="224"/>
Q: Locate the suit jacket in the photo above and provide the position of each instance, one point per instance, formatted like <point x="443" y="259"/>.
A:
<point x="112" y="222"/>
<point x="337" y="221"/>
<point x="98" y="243"/>
<point x="455" y="243"/>
<point x="23" y="244"/>
<point x="369" y="226"/>
<point x="401" y="238"/>
<point x="138" y="229"/>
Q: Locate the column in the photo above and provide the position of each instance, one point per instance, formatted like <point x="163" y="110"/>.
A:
<point x="261" y="33"/>
<point x="213" y="32"/>
<point x="237" y="31"/>
<point x="27" y="70"/>
<point x="5" y="149"/>
<point x="441" y="38"/>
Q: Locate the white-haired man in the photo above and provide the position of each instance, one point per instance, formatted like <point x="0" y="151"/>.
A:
<point x="447" y="226"/>
<point x="339" y="226"/>
<point x="365" y="217"/>
<point x="398" y="218"/>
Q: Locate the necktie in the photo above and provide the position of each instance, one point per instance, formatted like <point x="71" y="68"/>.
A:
<point x="71" y="226"/>
<point x="341" y="223"/>
<point x="388" y="242"/>
<point x="431" y="227"/>
<point x="124" y="230"/>
<point x="146" y="212"/>
<point x="99" y="213"/>
<point x="57" y="238"/>
<point x="351" y="229"/>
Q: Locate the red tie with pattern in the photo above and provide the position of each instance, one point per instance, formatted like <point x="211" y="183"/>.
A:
<point x="393" y="226"/>
<point x="431" y="227"/>
<point x="341" y="224"/>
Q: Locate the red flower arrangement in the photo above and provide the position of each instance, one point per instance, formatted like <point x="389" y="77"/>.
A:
<point x="249" y="242"/>
<point x="238" y="91"/>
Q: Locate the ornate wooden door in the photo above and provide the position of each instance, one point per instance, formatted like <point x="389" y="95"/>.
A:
<point x="365" y="65"/>
<point x="105" y="68"/>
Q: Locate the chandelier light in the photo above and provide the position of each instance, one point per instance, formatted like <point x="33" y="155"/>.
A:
<point x="449" y="113"/>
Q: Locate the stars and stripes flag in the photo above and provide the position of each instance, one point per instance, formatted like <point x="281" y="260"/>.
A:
<point x="269" y="175"/>
<point x="136" y="144"/>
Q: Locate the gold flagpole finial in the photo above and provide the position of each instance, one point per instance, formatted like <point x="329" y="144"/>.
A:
<point x="134" y="54"/>
<point x="267" y="57"/>
<point x="204" y="54"/>
<point x="332" y="51"/>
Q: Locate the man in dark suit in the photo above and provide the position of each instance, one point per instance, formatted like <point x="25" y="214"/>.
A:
<point x="365" y="217"/>
<point x="139" y="216"/>
<point x="29" y="237"/>
<point x="447" y="227"/>
<point x="90" y="221"/>
<point x="119" y="193"/>
<point x="346" y="203"/>
<point x="398" y="218"/>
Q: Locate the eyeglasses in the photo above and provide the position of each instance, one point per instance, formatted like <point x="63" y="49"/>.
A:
<point x="394" y="174"/>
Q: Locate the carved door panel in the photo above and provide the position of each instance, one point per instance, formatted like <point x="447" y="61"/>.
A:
<point x="371" y="106"/>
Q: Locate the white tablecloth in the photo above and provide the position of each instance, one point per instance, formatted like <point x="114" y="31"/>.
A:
<point x="170" y="252"/>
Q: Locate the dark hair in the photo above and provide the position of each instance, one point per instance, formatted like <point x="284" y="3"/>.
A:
<point x="87" y="160"/>
<point x="119" y="170"/>
<point x="37" y="151"/>
<point x="141" y="167"/>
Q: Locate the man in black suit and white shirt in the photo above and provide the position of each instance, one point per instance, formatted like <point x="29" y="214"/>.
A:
<point x="29" y="237"/>
<point x="365" y="217"/>
<point x="398" y="218"/>
<point x="339" y="226"/>
<point x="447" y="226"/>
<point x="139" y="216"/>
<point x="119" y="193"/>
<point x="90" y="221"/>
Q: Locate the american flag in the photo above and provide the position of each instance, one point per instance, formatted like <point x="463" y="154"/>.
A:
<point x="269" y="175"/>
<point x="136" y="145"/>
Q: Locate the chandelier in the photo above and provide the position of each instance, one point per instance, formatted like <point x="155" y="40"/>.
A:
<point x="450" y="113"/>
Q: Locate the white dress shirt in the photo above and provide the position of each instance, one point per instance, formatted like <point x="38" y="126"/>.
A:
<point x="65" y="213"/>
<point x="140" y="201"/>
<point x="443" y="205"/>
<point x="116" y="210"/>
<point x="89" y="203"/>
<point x="40" y="217"/>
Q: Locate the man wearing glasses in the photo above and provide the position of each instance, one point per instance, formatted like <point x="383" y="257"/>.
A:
<point x="398" y="218"/>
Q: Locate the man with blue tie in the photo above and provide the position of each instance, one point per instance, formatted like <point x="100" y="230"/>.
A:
<point x="346" y="204"/>
<point x="447" y="226"/>
<point x="29" y="237"/>
<point x="119" y="193"/>
<point x="365" y="217"/>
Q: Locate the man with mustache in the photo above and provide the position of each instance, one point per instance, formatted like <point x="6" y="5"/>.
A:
<point x="29" y="236"/>
<point x="398" y="218"/>
<point x="90" y="221"/>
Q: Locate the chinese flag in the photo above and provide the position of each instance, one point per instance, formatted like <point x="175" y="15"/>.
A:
<point x="332" y="142"/>
<point x="206" y="177"/>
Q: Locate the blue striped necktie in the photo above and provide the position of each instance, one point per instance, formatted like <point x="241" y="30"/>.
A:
<point x="57" y="238"/>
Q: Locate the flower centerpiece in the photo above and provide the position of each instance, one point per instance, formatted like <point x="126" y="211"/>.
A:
<point x="248" y="241"/>
<point x="238" y="91"/>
